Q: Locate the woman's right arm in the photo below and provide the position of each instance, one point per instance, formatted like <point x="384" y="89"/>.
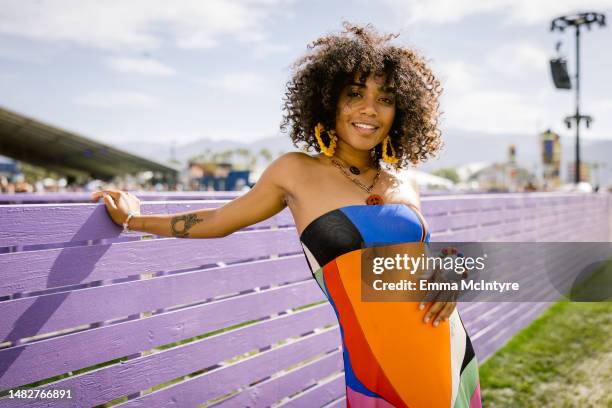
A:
<point x="264" y="200"/>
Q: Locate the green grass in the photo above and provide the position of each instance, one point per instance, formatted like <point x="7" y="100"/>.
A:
<point x="562" y="359"/>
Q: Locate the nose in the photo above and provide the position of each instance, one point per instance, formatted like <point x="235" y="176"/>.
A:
<point x="368" y="106"/>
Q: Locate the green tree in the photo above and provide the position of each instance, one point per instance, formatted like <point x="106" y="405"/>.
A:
<point x="447" y="173"/>
<point x="266" y="154"/>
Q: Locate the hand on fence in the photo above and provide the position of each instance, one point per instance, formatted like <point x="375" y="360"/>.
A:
<point x="118" y="204"/>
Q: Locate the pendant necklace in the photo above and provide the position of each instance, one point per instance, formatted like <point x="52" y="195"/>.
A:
<point x="373" y="199"/>
<point x="353" y="169"/>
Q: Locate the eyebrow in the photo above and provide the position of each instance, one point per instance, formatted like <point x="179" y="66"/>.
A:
<point x="388" y="89"/>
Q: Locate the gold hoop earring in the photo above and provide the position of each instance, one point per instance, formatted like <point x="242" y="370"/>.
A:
<point x="327" y="150"/>
<point x="388" y="159"/>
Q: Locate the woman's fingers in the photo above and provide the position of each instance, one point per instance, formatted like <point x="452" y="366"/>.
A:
<point x="115" y="194"/>
<point x="118" y="203"/>
<point x="110" y="202"/>
<point x="97" y="194"/>
<point x="445" y="313"/>
<point x="441" y="311"/>
<point x="433" y="310"/>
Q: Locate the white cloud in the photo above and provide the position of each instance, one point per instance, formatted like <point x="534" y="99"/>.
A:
<point x="145" y="66"/>
<point x="118" y="99"/>
<point x="509" y="112"/>
<point x="519" y="12"/>
<point x="6" y="77"/>
<point x="237" y="82"/>
<point x="11" y="50"/>
<point x="458" y="75"/>
<point x="603" y="105"/>
<point x="492" y="111"/>
<point x="518" y="58"/>
<point x="265" y="49"/>
<point x="138" y="24"/>
<point x="601" y="111"/>
<point x="470" y="103"/>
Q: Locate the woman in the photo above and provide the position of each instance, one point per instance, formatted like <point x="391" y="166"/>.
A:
<point x="368" y="108"/>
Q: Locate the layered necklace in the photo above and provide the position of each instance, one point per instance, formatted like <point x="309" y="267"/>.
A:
<point x="372" y="199"/>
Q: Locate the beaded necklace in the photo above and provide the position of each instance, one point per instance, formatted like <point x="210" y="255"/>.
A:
<point x="372" y="199"/>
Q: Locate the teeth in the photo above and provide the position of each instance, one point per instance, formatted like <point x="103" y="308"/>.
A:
<point x="364" y="126"/>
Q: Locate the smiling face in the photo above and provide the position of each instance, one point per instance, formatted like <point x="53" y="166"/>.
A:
<point x="365" y="112"/>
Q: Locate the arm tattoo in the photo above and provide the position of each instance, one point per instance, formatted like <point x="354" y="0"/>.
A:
<point x="188" y="221"/>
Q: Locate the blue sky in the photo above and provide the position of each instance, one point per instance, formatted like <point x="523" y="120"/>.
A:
<point x="157" y="71"/>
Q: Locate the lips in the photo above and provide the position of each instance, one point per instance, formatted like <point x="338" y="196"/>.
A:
<point x="365" y="128"/>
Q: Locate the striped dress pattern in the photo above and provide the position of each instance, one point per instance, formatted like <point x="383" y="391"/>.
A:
<point x="391" y="358"/>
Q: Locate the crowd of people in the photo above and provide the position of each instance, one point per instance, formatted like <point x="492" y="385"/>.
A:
<point x="11" y="187"/>
<point x="49" y="185"/>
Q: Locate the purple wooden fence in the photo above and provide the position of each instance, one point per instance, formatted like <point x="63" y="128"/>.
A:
<point x="528" y="217"/>
<point x="83" y="197"/>
<point x="140" y="320"/>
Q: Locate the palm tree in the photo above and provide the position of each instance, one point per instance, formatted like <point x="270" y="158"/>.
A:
<point x="266" y="154"/>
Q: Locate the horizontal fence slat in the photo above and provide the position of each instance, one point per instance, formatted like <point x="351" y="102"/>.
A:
<point x="321" y="394"/>
<point x="59" y="223"/>
<point x="50" y="268"/>
<point x="339" y="403"/>
<point x="81" y="222"/>
<point x="24" y="317"/>
<point x="84" y="197"/>
<point x="270" y="391"/>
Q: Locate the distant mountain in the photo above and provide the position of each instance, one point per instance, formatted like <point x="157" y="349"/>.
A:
<point x="460" y="147"/>
<point x="163" y="152"/>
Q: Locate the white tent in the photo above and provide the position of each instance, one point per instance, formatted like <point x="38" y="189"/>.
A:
<point x="428" y="181"/>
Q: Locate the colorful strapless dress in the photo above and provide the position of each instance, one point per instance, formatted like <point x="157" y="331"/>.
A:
<point x="391" y="358"/>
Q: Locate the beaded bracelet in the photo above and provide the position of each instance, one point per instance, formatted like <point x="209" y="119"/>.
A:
<point x="126" y="222"/>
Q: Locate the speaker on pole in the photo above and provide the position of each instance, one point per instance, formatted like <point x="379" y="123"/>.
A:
<point x="558" y="68"/>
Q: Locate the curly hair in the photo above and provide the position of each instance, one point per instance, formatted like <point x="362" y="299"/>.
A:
<point x="334" y="60"/>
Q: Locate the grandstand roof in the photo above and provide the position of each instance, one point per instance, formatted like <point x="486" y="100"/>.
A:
<point x="41" y="144"/>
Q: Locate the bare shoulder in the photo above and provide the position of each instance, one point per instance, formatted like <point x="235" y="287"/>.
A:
<point x="402" y="187"/>
<point x="296" y="158"/>
<point x="292" y="163"/>
<point x="289" y="169"/>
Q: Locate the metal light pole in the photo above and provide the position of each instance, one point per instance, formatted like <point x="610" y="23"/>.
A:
<point x="576" y="21"/>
